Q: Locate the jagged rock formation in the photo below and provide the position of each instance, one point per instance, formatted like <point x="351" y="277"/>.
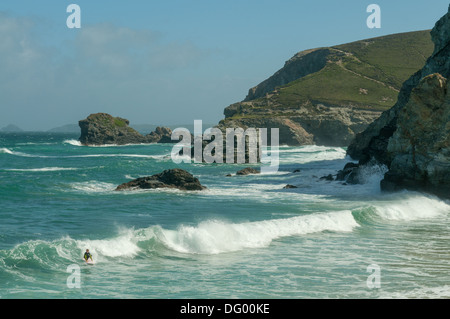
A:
<point x="420" y="146"/>
<point x="104" y="129"/>
<point x="412" y="138"/>
<point x="326" y="96"/>
<point x="171" y="178"/>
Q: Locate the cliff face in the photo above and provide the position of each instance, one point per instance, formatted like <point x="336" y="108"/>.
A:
<point x="302" y="64"/>
<point x="373" y="142"/>
<point x="320" y="125"/>
<point x="420" y="147"/>
<point x="326" y="96"/>
<point x="104" y="129"/>
<point x="413" y="137"/>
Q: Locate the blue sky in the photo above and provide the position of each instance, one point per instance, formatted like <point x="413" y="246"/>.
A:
<point x="167" y="62"/>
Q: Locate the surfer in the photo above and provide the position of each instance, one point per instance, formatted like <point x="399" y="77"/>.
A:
<point x="87" y="255"/>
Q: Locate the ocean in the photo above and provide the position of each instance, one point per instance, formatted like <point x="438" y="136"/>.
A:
<point x="243" y="237"/>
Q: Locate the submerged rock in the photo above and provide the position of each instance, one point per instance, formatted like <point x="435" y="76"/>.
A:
<point x="171" y="178"/>
<point x="328" y="177"/>
<point x="247" y="171"/>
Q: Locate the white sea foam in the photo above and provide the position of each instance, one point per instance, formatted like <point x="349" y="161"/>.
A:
<point x="44" y="169"/>
<point x="78" y="143"/>
<point x="412" y="207"/>
<point x="5" y="151"/>
<point x="73" y="142"/>
<point x="8" y="151"/>
<point x="311" y="153"/>
<point x="93" y="187"/>
<point x="442" y="292"/>
<point x="156" y="157"/>
<point x="124" y="245"/>
<point x="214" y="236"/>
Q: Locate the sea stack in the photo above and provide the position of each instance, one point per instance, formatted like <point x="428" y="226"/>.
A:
<point x="104" y="129"/>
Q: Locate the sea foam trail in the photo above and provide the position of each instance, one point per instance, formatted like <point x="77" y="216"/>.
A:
<point x="156" y="157"/>
<point x="44" y="169"/>
<point x="78" y="143"/>
<point x="5" y="151"/>
<point x="8" y="151"/>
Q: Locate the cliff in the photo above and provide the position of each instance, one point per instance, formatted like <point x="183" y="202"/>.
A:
<point x="419" y="149"/>
<point x="373" y="142"/>
<point x="413" y="137"/>
<point x="326" y="96"/>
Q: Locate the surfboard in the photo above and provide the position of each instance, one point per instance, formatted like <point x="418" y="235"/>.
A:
<point x="89" y="262"/>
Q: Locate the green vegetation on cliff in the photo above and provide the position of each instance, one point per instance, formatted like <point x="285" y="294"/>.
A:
<point x="326" y="96"/>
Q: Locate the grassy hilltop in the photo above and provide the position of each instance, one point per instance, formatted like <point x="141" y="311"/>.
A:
<point x="328" y="95"/>
<point x="365" y="74"/>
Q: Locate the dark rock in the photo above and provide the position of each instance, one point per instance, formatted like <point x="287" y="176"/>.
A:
<point x="342" y="175"/>
<point x="329" y="177"/>
<point x="160" y="135"/>
<point x="296" y="171"/>
<point x="171" y="178"/>
<point x="247" y="171"/>
<point x="289" y="186"/>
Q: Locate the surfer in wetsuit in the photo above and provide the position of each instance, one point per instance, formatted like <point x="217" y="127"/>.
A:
<point x="87" y="255"/>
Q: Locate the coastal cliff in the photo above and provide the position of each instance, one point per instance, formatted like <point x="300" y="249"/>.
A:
<point x="419" y="149"/>
<point x="413" y="137"/>
<point x="372" y="142"/>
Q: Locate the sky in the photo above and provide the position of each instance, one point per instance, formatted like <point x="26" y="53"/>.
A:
<point x="168" y="62"/>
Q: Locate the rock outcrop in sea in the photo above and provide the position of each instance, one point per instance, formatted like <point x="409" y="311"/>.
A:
<point x="171" y="178"/>
<point x="413" y="137"/>
<point x="104" y="129"/>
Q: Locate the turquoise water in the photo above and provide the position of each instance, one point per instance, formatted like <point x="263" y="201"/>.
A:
<point x="243" y="237"/>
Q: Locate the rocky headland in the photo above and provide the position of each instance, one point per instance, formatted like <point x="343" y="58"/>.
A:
<point x="326" y="96"/>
